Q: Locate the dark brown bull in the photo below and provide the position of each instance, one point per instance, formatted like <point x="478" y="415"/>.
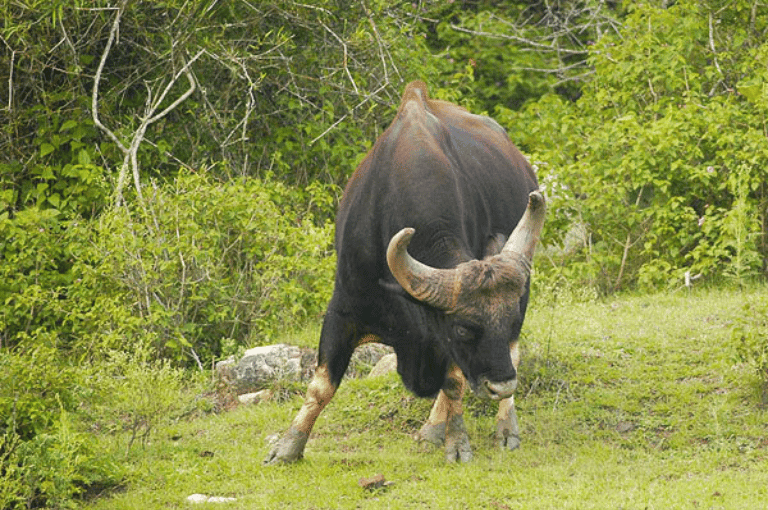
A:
<point x="448" y="187"/>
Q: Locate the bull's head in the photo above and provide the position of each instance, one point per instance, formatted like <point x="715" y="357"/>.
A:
<point x="480" y="298"/>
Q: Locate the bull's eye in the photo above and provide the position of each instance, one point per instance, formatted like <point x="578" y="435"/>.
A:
<point x="463" y="333"/>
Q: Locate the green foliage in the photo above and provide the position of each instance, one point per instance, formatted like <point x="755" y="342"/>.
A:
<point x="61" y="175"/>
<point x="309" y="114"/>
<point x="750" y="335"/>
<point x="660" y="160"/>
<point x="511" y="52"/>
<point x="55" y="467"/>
<point x="46" y="458"/>
<point x="34" y="385"/>
<point x="215" y="261"/>
<point x="138" y="394"/>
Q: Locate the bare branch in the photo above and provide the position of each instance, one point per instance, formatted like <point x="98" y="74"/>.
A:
<point x="344" y="62"/>
<point x="712" y="45"/>
<point x="10" y="81"/>
<point x="529" y="42"/>
<point x="378" y="40"/>
<point x="339" y="121"/>
<point x="97" y="79"/>
<point x="130" y="159"/>
<point x="183" y="97"/>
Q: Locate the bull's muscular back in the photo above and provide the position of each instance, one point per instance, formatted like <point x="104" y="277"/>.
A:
<point x="453" y="176"/>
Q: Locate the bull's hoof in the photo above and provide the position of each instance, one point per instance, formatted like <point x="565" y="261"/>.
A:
<point x="509" y="442"/>
<point x="457" y="447"/>
<point x="288" y="448"/>
<point x="432" y="433"/>
<point x="508" y="434"/>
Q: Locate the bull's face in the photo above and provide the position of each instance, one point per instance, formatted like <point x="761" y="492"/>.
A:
<point x="480" y="300"/>
<point x="480" y="327"/>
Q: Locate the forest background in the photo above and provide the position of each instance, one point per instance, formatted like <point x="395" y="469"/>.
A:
<point x="169" y="171"/>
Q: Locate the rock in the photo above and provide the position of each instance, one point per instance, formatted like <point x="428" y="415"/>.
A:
<point x="261" y="366"/>
<point x="220" y="499"/>
<point x="256" y="397"/>
<point x="202" y="498"/>
<point x="385" y="365"/>
<point x="224" y="369"/>
<point x="364" y="358"/>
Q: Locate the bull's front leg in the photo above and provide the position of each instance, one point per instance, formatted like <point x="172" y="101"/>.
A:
<point x="290" y="447"/>
<point x="337" y="342"/>
<point x="507" y="428"/>
<point x="445" y="424"/>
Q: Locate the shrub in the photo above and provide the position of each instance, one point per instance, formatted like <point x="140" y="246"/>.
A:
<point x="46" y="458"/>
<point x="660" y="160"/>
<point x="213" y="263"/>
<point x="137" y="394"/>
<point x="750" y="335"/>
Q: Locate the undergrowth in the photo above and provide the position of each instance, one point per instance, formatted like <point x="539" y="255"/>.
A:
<point x="632" y="402"/>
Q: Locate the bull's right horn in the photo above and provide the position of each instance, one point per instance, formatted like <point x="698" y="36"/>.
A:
<point x="524" y="238"/>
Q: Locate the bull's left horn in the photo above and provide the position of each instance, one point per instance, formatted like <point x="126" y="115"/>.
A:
<point x="526" y="234"/>
<point x="429" y="285"/>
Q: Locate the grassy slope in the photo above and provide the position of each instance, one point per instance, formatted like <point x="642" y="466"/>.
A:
<point x="632" y="403"/>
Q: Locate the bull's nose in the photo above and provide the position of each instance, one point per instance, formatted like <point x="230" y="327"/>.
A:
<point x="500" y="390"/>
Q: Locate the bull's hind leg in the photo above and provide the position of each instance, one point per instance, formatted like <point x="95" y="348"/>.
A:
<point x="337" y="342"/>
<point x="507" y="428"/>
<point x="446" y="420"/>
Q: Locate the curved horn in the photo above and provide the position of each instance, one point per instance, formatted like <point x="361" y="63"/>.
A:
<point x="526" y="234"/>
<point x="429" y="285"/>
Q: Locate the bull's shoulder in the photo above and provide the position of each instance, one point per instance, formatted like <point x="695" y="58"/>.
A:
<point x="418" y="109"/>
<point x="415" y="93"/>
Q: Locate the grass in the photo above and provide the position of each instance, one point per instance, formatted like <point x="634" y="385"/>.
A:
<point x="630" y="403"/>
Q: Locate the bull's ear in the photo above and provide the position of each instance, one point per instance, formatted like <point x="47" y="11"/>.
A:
<point x="396" y="289"/>
<point x="392" y="287"/>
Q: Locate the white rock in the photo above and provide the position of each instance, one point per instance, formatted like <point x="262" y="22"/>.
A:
<point x="220" y="499"/>
<point x="202" y="498"/>
<point x="197" y="498"/>
<point x="255" y="398"/>
<point x="385" y="365"/>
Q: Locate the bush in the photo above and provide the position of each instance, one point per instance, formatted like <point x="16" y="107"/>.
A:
<point x="660" y="160"/>
<point x="137" y="394"/>
<point x="750" y="335"/>
<point x="212" y="265"/>
<point x="34" y="387"/>
<point x="46" y="458"/>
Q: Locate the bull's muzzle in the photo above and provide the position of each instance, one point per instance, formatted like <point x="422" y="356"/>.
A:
<point x="496" y="390"/>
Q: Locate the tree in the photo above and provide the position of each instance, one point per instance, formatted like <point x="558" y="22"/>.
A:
<point x="517" y="51"/>
<point x="663" y="157"/>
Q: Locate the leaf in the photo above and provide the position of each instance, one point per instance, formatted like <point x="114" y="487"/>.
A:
<point x="55" y="200"/>
<point x="47" y="173"/>
<point x="83" y="157"/>
<point x="46" y="148"/>
<point x="68" y="125"/>
<point x="751" y="89"/>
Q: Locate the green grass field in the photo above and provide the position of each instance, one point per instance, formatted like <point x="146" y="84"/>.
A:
<point x="629" y="403"/>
